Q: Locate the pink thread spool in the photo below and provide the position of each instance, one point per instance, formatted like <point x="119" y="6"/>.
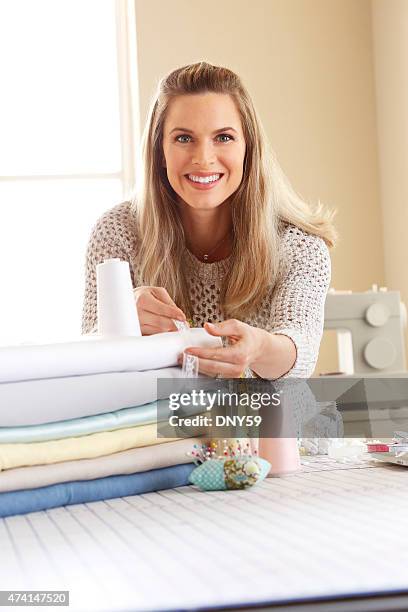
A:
<point x="281" y="448"/>
<point x="282" y="454"/>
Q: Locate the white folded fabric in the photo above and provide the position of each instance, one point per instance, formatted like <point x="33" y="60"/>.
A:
<point x="56" y="399"/>
<point x="96" y="355"/>
<point x="34" y="402"/>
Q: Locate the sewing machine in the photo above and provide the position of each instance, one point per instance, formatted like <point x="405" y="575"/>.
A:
<point x="370" y="330"/>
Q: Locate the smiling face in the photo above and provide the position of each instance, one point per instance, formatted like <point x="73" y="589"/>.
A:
<point x="204" y="148"/>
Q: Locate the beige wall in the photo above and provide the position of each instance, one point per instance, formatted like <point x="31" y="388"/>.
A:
<point x="390" y="28"/>
<point x="309" y="67"/>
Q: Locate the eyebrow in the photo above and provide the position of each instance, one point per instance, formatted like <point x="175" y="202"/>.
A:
<point x="181" y="129"/>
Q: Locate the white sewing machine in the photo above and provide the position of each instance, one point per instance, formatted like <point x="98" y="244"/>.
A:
<point x="370" y="330"/>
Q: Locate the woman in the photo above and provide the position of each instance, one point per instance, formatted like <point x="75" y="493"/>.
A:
<point x="217" y="235"/>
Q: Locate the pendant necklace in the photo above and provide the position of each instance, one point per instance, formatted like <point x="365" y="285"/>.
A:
<point x="205" y="256"/>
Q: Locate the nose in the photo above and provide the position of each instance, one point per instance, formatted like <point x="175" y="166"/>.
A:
<point x="203" y="154"/>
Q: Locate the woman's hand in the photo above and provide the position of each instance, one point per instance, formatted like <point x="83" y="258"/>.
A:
<point x="267" y="354"/>
<point x="156" y="310"/>
<point x="245" y="347"/>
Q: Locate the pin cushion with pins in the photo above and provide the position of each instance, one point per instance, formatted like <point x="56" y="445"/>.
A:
<point x="235" y="468"/>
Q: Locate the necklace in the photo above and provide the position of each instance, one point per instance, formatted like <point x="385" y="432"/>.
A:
<point x="205" y="256"/>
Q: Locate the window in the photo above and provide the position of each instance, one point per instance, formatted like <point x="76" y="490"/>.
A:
<point x="67" y="122"/>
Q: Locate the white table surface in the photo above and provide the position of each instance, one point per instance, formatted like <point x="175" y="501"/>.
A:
<point x="329" y="530"/>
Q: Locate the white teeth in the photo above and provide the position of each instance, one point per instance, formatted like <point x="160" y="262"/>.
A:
<point x="204" y="179"/>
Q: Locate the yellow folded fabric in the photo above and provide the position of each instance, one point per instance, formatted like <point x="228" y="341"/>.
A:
<point x="83" y="447"/>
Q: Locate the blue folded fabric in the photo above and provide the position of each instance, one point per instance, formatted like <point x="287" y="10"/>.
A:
<point x="79" y="492"/>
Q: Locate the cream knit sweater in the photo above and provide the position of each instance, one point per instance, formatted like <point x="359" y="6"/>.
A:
<point x="295" y="307"/>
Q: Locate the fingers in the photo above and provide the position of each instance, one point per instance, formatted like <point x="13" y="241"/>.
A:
<point x="156" y="310"/>
<point x="227" y="362"/>
<point x="166" y="305"/>
<point x="157" y="307"/>
<point x="219" y="368"/>
<point x="231" y="328"/>
<point x="230" y="361"/>
<point x="162" y="324"/>
<point x="158" y="301"/>
<point x="232" y="355"/>
<point x="149" y="330"/>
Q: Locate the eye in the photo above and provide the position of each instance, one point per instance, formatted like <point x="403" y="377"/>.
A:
<point x="224" y="137"/>
<point x="183" y="138"/>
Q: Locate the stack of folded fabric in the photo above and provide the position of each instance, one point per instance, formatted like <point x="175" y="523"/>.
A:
<point x="72" y="439"/>
<point x="88" y="459"/>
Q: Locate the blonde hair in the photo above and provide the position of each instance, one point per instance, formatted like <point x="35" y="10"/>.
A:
<point x="261" y="204"/>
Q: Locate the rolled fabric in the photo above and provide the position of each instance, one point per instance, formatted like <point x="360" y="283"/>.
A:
<point x="84" y="447"/>
<point x="126" y="462"/>
<point x="96" y="355"/>
<point x="44" y="498"/>
<point x="57" y="399"/>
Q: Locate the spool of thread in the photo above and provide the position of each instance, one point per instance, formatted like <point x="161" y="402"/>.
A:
<point x="282" y="454"/>
<point x="117" y="313"/>
<point x="278" y="439"/>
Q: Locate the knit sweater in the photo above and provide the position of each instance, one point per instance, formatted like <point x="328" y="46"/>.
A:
<point x="294" y="307"/>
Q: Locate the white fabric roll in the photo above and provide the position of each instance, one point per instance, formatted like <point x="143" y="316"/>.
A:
<point x="117" y="313"/>
<point x="96" y="355"/>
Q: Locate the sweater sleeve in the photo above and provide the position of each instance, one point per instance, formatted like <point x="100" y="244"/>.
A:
<point x="300" y="296"/>
<point x="110" y="237"/>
